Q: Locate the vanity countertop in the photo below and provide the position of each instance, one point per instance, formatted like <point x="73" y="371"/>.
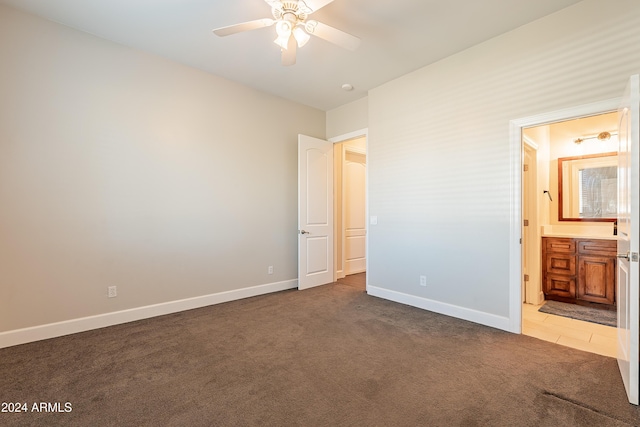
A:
<point x="579" y="231"/>
<point x="580" y="236"/>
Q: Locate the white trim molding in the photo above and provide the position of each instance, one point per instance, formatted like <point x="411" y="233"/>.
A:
<point x="474" y="316"/>
<point x="515" y="229"/>
<point x="58" y="329"/>
<point x="350" y="135"/>
<point x="592" y="109"/>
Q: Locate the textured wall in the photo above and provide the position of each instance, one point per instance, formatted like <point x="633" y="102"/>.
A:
<point x="439" y="159"/>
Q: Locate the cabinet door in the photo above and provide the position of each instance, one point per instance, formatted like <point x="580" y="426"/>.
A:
<point x="596" y="282"/>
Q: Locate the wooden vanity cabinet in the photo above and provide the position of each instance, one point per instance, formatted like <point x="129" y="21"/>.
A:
<point x="579" y="271"/>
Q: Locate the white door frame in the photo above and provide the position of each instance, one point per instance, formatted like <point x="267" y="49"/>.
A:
<point x="515" y="233"/>
<point x="343" y="138"/>
<point x="533" y="288"/>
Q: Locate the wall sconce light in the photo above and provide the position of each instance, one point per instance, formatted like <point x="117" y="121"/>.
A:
<point x="602" y="136"/>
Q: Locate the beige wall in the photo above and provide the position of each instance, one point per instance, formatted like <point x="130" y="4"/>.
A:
<point x="121" y="168"/>
<point x="439" y="152"/>
<point x="348" y="118"/>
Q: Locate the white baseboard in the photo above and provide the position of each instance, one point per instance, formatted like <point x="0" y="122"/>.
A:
<point x="67" y="327"/>
<point x="475" y="316"/>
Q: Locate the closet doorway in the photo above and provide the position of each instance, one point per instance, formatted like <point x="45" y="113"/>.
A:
<point x="350" y="170"/>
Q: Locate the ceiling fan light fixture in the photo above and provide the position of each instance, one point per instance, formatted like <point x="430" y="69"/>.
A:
<point x="283" y="28"/>
<point x="282" y="41"/>
<point x="292" y="27"/>
<point x="310" y="26"/>
<point x="274" y="4"/>
<point x="301" y="35"/>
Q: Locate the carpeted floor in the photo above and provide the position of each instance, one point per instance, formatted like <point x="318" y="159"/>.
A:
<point x="328" y="356"/>
<point x="579" y="312"/>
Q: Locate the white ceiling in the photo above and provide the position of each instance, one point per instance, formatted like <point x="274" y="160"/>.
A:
<point x="398" y="36"/>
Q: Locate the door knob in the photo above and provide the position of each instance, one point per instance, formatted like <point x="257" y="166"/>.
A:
<point x="304" y="232"/>
<point x="624" y="256"/>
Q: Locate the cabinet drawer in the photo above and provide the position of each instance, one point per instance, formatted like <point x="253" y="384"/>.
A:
<point x="564" y="264"/>
<point x="562" y="286"/>
<point x="560" y="245"/>
<point x="598" y="247"/>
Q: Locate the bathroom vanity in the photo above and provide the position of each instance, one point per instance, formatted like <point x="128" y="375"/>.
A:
<point x="579" y="270"/>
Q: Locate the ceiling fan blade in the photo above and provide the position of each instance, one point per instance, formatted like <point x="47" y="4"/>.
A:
<point x="333" y="35"/>
<point x="317" y="4"/>
<point x="245" y="26"/>
<point x="289" y="54"/>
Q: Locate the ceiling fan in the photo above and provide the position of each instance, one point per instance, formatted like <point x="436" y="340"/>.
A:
<point x="293" y="28"/>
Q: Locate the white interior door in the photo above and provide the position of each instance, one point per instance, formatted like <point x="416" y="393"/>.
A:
<point x="627" y="294"/>
<point x="354" y="206"/>
<point x="315" y="212"/>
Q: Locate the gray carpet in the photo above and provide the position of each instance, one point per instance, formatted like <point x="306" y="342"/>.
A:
<point x="328" y="356"/>
<point x="574" y="311"/>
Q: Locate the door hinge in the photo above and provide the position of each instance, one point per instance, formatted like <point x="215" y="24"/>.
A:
<point x="526" y="277"/>
<point x="526" y="222"/>
<point x="526" y="168"/>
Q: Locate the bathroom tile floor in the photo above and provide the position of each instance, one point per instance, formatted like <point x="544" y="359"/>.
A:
<point x="572" y="333"/>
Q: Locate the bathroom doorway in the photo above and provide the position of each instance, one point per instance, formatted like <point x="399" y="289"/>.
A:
<point x="542" y="197"/>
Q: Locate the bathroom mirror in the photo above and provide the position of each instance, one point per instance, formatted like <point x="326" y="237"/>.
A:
<point x="588" y="187"/>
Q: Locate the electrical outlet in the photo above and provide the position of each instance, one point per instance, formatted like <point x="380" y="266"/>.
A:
<point x="423" y="280"/>
<point x="270" y="269"/>
<point x="112" y="291"/>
